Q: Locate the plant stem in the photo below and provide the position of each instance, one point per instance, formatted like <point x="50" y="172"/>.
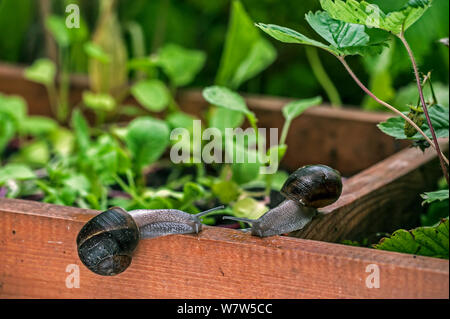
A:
<point x="161" y="25"/>
<point x="322" y="76"/>
<point x="390" y="107"/>
<point x="424" y="104"/>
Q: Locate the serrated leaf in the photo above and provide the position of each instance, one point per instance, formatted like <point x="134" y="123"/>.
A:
<point x="423" y="241"/>
<point x="439" y="115"/>
<point x="225" y="98"/>
<point x="432" y="197"/>
<point x="297" y="108"/>
<point x="180" y="64"/>
<point x="42" y="71"/>
<point x="338" y="33"/>
<point x="152" y="94"/>
<point x="372" y="16"/>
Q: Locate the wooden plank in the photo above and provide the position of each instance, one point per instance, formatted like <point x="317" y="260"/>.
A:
<point x="37" y="242"/>
<point x="351" y="144"/>
<point x="383" y="198"/>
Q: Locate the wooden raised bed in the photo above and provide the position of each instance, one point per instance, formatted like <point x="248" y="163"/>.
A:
<point x="385" y="179"/>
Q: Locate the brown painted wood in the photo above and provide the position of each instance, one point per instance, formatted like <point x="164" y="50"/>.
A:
<point x="222" y="263"/>
<point x="37" y="242"/>
<point x="351" y="144"/>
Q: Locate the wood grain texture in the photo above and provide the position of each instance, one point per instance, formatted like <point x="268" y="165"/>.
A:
<point x="38" y="239"/>
<point x="351" y="144"/>
<point x="38" y="243"/>
<point x="383" y="198"/>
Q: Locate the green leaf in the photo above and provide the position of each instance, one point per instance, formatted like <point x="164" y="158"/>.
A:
<point x="147" y="139"/>
<point x="226" y="191"/>
<point x="423" y="241"/>
<point x="297" y="108"/>
<point x="42" y="71"/>
<point x="152" y="94"/>
<point x="96" y="52"/>
<point x="287" y="35"/>
<point x="57" y="27"/>
<point x="63" y="141"/>
<point x="261" y="56"/>
<point x="223" y="118"/>
<point x="81" y="130"/>
<point x="13" y="106"/>
<point x="192" y="192"/>
<point x="432" y="197"/>
<point x="181" y="120"/>
<point x="38" y="125"/>
<point x="372" y="16"/>
<point x="7" y="131"/>
<point x="439" y="115"/>
<point x="180" y="64"/>
<point x="245" y="161"/>
<point x="99" y="102"/>
<point x="240" y="42"/>
<point x="36" y="153"/>
<point x="249" y="208"/>
<point x="435" y="213"/>
<point x="338" y="33"/>
<point x="224" y="97"/>
<point x="15" y="172"/>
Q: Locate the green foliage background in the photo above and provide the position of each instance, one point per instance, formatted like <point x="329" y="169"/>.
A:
<point x="202" y="24"/>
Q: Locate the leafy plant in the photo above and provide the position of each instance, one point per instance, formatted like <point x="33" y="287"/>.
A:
<point x="351" y="28"/>
<point x="424" y="241"/>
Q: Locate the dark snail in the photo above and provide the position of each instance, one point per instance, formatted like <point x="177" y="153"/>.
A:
<point x="307" y="189"/>
<point x="107" y="242"/>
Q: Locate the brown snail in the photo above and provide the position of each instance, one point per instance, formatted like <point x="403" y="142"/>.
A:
<point x="107" y="242"/>
<point x="307" y="189"/>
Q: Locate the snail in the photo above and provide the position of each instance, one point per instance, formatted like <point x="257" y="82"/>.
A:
<point x="306" y="190"/>
<point x="107" y="242"/>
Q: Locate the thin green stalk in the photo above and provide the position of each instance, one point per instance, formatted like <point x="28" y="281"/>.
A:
<point x="425" y="107"/>
<point x="390" y="107"/>
<point x="129" y="190"/>
<point x="161" y="25"/>
<point x="322" y="76"/>
<point x="285" y="132"/>
<point x="63" y="108"/>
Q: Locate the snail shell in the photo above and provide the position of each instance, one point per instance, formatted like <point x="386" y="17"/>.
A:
<point x="107" y="242"/>
<point x="314" y="186"/>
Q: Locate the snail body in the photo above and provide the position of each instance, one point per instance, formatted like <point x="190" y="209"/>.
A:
<point x="307" y="189"/>
<point x="107" y="242"/>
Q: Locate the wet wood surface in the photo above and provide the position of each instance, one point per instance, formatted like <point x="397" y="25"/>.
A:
<point x="382" y="194"/>
<point x="37" y="242"/>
